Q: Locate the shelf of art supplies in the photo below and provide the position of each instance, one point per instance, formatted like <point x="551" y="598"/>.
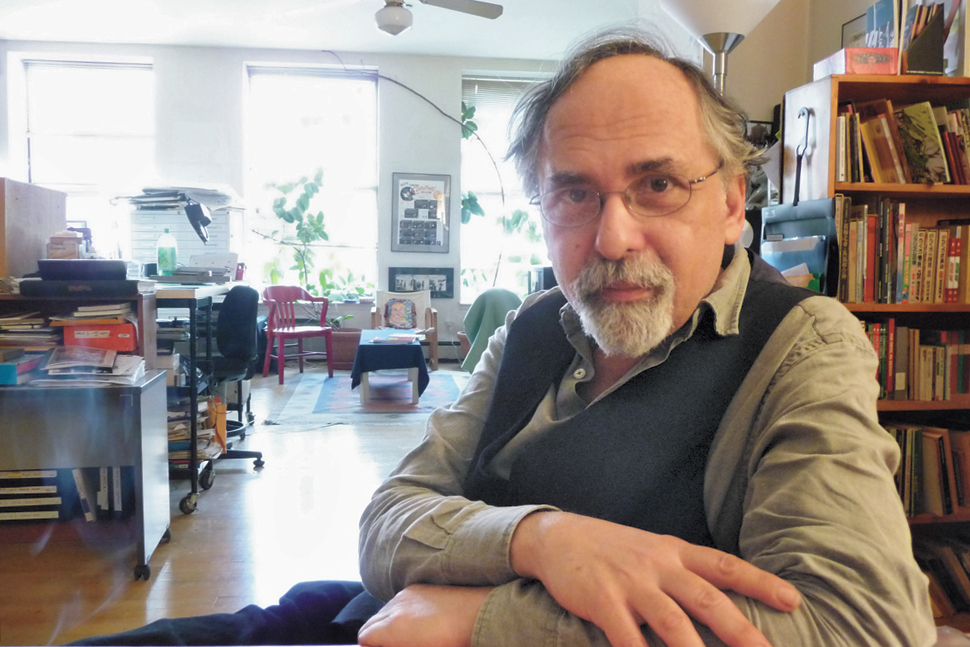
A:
<point x="931" y="426"/>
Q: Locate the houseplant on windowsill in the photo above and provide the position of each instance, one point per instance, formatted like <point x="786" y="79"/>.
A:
<point x="339" y="289"/>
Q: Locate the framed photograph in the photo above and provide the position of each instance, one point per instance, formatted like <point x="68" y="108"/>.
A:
<point x="420" y="212"/>
<point x="440" y="280"/>
<point x="854" y="32"/>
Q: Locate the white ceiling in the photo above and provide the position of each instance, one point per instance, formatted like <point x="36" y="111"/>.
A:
<point x="537" y="29"/>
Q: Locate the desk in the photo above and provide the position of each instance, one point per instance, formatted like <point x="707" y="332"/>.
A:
<point x="68" y="427"/>
<point x="192" y="297"/>
<point x="376" y="357"/>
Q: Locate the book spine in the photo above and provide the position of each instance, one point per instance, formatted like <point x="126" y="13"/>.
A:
<point x="82" y="492"/>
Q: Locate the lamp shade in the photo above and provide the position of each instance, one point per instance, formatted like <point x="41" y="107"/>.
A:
<point x="702" y="17"/>
<point x="393" y="18"/>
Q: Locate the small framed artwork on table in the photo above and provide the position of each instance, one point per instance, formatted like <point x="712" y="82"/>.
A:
<point x="420" y="212"/>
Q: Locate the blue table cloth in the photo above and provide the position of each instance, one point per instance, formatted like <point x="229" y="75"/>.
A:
<point x="376" y="357"/>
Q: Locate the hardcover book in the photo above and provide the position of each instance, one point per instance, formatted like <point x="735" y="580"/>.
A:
<point x="922" y="144"/>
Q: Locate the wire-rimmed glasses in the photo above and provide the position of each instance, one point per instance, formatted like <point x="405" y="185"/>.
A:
<point x="649" y="196"/>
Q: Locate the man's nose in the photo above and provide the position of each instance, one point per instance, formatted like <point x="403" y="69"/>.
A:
<point x="619" y="231"/>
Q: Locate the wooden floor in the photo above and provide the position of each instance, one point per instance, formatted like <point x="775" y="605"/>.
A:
<point x="255" y="534"/>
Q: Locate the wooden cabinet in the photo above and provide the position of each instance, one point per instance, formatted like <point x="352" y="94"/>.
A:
<point x="924" y="204"/>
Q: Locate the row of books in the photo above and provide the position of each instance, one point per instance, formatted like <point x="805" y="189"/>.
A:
<point x="922" y="365"/>
<point x="885" y="257"/>
<point x="913" y="144"/>
<point x="64" y="494"/>
<point x="945" y="560"/>
<point x="933" y="476"/>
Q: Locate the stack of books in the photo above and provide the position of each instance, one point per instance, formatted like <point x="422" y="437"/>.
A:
<point x="27" y="330"/>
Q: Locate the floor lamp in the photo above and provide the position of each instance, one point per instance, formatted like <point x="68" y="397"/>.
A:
<point x="719" y="25"/>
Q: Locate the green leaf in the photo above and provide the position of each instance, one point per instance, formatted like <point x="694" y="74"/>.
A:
<point x="318" y="178"/>
<point x="284" y="189"/>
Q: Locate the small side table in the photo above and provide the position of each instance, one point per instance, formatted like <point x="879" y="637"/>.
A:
<point x="376" y="356"/>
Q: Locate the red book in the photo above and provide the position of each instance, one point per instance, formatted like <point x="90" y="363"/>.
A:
<point x="955" y="248"/>
<point x="890" y="372"/>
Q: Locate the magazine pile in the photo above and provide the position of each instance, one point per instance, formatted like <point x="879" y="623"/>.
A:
<point x="82" y="366"/>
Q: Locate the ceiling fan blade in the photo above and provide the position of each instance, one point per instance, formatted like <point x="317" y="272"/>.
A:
<point x="473" y="7"/>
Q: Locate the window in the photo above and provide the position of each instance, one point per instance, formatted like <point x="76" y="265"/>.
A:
<point x="300" y="121"/>
<point x="90" y="132"/>
<point x="508" y="239"/>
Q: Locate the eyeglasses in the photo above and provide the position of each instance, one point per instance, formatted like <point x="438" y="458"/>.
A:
<point x="649" y="196"/>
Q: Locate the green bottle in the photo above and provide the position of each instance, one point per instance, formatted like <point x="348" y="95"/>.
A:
<point x="166" y="252"/>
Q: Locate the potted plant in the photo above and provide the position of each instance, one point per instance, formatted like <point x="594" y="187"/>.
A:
<point x="343" y="288"/>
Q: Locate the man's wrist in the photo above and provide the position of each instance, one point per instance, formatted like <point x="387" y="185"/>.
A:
<point x="524" y="549"/>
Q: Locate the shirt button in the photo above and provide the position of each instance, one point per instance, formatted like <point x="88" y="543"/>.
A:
<point x="579" y="373"/>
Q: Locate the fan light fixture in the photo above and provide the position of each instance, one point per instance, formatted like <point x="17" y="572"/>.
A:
<point x="393" y="18"/>
<point x="719" y="25"/>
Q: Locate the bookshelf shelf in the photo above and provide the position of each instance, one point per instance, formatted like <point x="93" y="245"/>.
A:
<point x="896" y="190"/>
<point x="957" y="402"/>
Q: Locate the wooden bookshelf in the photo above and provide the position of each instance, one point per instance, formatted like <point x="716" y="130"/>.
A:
<point x="925" y="204"/>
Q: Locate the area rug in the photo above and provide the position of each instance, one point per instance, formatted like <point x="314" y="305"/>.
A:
<point x="319" y="399"/>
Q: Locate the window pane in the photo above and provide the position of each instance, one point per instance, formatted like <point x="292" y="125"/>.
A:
<point x="482" y="239"/>
<point x="300" y="121"/>
<point x="91" y="133"/>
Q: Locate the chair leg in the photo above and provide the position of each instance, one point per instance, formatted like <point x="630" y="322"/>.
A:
<point x="239" y="400"/>
<point x="299" y="350"/>
<point x="329" y="340"/>
<point x="269" y="354"/>
<point x="281" y="357"/>
<point x="433" y="351"/>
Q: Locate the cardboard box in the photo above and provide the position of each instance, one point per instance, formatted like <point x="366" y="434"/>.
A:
<point x="171" y="366"/>
<point x="858" y="60"/>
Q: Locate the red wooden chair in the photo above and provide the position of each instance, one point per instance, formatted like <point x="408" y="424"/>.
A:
<point x="282" y="326"/>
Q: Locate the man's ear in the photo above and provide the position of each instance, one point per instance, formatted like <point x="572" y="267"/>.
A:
<point x="734" y="197"/>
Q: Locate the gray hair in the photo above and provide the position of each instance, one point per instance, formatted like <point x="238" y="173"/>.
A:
<point x="724" y="123"/>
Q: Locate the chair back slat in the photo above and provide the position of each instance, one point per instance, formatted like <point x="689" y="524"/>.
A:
<point x="283" y="300"/>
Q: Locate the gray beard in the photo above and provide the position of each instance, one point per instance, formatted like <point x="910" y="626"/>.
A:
<point x="628" y="329"/>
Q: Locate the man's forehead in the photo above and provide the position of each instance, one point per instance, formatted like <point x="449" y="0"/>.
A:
<point x="630" y="98"/>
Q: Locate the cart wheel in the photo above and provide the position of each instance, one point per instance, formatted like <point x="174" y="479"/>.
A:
<point x="259" y="462"/>
<point x="167" y="536"/>
<point x="189" y="503"/>
<point x="143" y="572"/>
<point x="242" y="434"/>
<point x="207" y="476"/>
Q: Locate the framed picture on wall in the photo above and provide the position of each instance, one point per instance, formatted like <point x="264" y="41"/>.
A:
<point x="420" y="212"/>
<point x="440" y="280"/>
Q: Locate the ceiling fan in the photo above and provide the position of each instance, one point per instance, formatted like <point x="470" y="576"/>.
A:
<point x="395" y="18"/>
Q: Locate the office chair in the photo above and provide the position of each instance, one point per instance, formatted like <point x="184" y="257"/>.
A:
<point x="236" y="361"/>
<point x="282" y="326"/>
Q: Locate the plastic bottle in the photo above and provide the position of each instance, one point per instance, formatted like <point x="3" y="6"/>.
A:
<point x="166" y="252"/>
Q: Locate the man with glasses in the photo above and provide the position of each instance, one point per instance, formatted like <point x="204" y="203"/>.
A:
<point x="675" y="446"/>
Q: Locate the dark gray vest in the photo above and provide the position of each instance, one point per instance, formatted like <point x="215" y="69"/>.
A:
<point x="636" y="457"/>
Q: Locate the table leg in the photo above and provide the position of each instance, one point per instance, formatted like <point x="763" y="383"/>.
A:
<point x="413" y="377"/>
<point x="364" y="387"/>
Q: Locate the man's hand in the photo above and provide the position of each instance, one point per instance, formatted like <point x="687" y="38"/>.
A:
<point x="620" y="578"/>
<point x="425" y="616"/>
